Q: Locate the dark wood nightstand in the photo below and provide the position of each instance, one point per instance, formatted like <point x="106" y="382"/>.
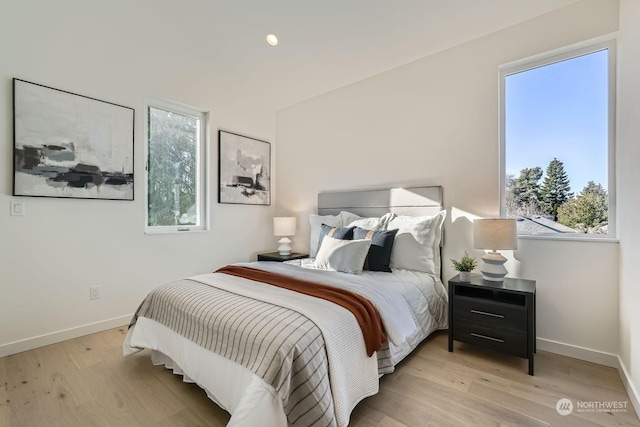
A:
<point x="499" y="316"/>
<point x="275" y="256"/>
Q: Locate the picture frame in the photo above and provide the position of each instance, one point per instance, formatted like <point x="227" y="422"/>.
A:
<point x="244" y="169"/>
<point x="67" y="145"/>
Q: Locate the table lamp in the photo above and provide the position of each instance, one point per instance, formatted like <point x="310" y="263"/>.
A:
<point x="494" y="234"/>
<point x="284" y="226"/>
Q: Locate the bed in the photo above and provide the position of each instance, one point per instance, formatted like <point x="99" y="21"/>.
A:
<point x="274" y="357"/>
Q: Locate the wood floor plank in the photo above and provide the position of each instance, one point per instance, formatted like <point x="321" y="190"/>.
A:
<point x="366" y="416"/>
<point x="390" y="422"/>
<point x="194" y="397"/>
<point x="5" y="402"/>
<point x="464" y="408"/>
<point x="188" y="418"/>
<point x="86" y="382"/>
<point x="532" y="410"/>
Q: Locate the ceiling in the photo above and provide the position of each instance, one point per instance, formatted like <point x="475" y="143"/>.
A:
<point x="328" y="44"/>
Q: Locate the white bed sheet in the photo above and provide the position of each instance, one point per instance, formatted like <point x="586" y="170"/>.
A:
<point x="246" y="396"/>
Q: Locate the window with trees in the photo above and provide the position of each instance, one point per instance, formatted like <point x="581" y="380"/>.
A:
<point x="557" y="121"/>
<point x="176" y="167"/>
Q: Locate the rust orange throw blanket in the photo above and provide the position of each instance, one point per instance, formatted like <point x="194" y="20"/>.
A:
<point x="366" y="314"/>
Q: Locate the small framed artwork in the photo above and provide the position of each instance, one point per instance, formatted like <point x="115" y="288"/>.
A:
<point x="68" y="145"/>
<point x="244" y="170"/>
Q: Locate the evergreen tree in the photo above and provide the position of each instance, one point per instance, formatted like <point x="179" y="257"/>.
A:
<point x="526" y="189"/>
<point x="589" y="211"/>
<point x="510" y="198"/>
<point x="172" y="168"/>
<point x="555" y="188"/>
<point x="594" y="188"/>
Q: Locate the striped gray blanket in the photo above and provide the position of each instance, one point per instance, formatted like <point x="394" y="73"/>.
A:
<point x="280" y="345"/>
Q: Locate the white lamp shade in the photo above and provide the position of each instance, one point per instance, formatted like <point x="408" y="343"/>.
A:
<point x="496" y="233"/>
<point x="284" y="226"/>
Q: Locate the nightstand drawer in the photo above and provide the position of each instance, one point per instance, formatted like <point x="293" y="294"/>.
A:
<point x="504" y="340"/>
<point x="490" y="314"/>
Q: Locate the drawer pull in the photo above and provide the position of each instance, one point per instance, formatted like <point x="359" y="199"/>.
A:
<point x="484" y="313"/>
<point x="486" y="337"/>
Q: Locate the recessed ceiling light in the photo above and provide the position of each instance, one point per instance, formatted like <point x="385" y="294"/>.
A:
<point x="272" y="40"/>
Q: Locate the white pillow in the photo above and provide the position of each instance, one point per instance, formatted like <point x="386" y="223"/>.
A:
<point x="348" y="217"/>
<point x="417" y="244"/>
<point x="346" y="256"/>
<point x="373" y="223"/>
<point x="316" y="222"/>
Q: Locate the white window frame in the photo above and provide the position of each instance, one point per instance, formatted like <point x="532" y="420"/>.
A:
<point x="607" y="42"/>
<point x="203" y="201"/>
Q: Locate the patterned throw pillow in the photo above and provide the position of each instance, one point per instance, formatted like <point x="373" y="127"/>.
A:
<point x="379" y="257"/>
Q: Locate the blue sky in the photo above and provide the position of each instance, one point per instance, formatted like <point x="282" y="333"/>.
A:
<point x="560" y="110"/>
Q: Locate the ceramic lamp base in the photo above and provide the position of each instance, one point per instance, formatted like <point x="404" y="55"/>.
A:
<point x="284" y="247"/>
<point x="493" y="268"/>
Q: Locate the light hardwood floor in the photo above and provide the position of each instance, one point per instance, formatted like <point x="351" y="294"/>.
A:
<point x="87" y="382"/>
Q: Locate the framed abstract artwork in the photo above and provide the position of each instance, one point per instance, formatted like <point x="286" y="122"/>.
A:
<point x="244" y="170"/>
<point x="68" y="145"/>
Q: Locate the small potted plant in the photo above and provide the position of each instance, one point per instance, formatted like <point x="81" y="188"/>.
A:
<point x="464" y="266"/>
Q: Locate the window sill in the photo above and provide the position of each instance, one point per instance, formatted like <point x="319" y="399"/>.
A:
<point x="175" y="231"/>
<point x="568" y="237"/>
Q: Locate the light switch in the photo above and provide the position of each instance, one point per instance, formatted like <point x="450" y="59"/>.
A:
<point x="17" y="208"/>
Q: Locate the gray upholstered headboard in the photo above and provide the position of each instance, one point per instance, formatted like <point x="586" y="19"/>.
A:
<point x="413" y="201"/>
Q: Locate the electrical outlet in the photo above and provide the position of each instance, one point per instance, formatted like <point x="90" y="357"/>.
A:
<point x="17" y="208"/>
<point x="95" y="292"/>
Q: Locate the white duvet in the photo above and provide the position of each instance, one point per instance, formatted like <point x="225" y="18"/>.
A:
<point x="423" y="296"/>
<point x="396" y="295"/>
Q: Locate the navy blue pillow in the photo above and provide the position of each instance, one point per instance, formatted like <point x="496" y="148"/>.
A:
<point x="341" y="233"/>
<point x="379" y="256"/>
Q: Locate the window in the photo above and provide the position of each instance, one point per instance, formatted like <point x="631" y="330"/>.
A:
<point x="557" y="143"/>
<point x="176" y="168"/>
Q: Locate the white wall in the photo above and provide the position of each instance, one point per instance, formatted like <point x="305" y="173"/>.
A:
<point x="628" y="178"/>
<point x="114" y="51"/>
<point x="435" y="121"/>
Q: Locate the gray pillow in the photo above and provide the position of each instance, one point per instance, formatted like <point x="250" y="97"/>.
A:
<point x="316" y="222"/>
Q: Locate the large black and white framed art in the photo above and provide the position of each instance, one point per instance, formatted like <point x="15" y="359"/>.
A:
<point x="244" y="169"/>
<point x="68" y="145"/>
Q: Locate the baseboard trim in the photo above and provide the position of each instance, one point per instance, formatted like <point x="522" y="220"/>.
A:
<point x="634" y="396"/>
<point x="66" y="334"/>
<point x="582" y="353"/>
